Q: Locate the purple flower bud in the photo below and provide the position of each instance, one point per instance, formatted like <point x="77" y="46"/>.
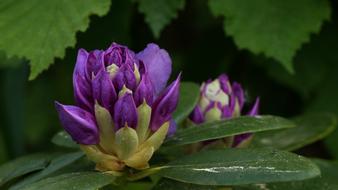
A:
<point x="103" y="90"/>
<point x="220" y="100"/>
<point x="125" y="112"/>
<point x="165" y="105"/>
<point x="158" y="65"/>
<point x="79" y="123"/>
<point x="119" y="111"/>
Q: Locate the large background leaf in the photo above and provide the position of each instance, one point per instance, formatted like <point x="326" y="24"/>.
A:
<point x="74" y="181"/>
<point x="225" y="128"/>
<point x="40" y="30"/>
<point x="309" y="128"/>
<point x="275" y="28"/>
<point x="327" y="180"/>
<point x="56" y="164"/>
<point x="22" y="166"/>
<point x="240" y="166"/>
<point x="159" y="13"/>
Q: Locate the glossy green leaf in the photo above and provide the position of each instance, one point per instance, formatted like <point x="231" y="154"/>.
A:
<point x="276" y="28"/>
<point x="41" y="30"/>
<point x="63" y="139"/>
<point x="168" y="184"/>
<point x="309" y="128"/>
<point x="189" y="95"/>
<point x="73" y="181"/>
<point x="55" y="165"/>
<point x="239" y="167"/>
<point x="159" y="13"/>
<point x="327" y="180"/>
<point x="22" y="166"/>
<point x="226" y="128"/>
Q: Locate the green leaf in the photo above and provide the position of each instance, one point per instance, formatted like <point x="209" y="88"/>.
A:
<point x="309" y="128"/>
<point x="55" y="165"/>
<point x="168" y="184"/>
<point x="22" y="166"/>
<point x="226" y="128"/>
<point x="159" y="13"/>
<point x="74" y="181"/>
<point x="239" y="167"/>
<point x="276" y="28"/>
<point x="189" y="95"/>
<point x="327" y="181"/>
<point x="40" y="30"/>
<point x="63" y="139"/>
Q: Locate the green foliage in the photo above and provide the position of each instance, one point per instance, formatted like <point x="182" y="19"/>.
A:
<point x="240" y="166"/>
<point x="75" y="181"/>
<point x="327" y="181"/>
<point x="309" y="128"/>
<point x="55" y="164"/>
<point x="159" y="13"/>
<point x="22" y="166"/>
<point x="275" y="28"/>
<point x="226" y="128"/>
<point x="41" y="30"/>
<point x="189" y="95"/>
<point x="63" y="139"/>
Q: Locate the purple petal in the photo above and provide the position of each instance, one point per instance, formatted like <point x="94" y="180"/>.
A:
<point x="104" y="91"/>
<point x="238" y="139"/>
<point x="158" y="64"/>
<point x="239" y="94"/>
<point x="81" y="82"/>
<point x="223" y="79"/>
<point x="125" y="76"/>
<point x="172" y="128"/>
<point x="227" y="112"/>
<point x="119" y="55"/>
<point x="255" y="109"/>
<point x="125" y="112"/>
<point x="95" y="62"/>
<point x="165" y="105"/>
<point x="144" y="91"/>
<point x="79" y="123"/>
<point x="197" y="116"/>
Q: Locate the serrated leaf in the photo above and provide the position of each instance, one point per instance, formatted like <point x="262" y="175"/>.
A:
<point x="309" y="128"/>
<point x="238" y="166"/>
<point x="63" y="139"/>
<point x="22" y="166"/>
<point x="276" y="28"/>
<point x="189" y="95"/>
<point x="56" y="164"/>
<point x="327" y="180"/>
<point x="74" y="181"/>
<point x="226" y="128"/>
<point x="159" y="13"/>
<point x="41" y="30"/>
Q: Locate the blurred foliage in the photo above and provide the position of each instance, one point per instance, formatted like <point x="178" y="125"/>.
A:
<point x="201" y="46"/>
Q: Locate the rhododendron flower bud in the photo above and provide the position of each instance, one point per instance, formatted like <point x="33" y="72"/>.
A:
<point x="221" y="100"/>
<point x="123" y="108"/>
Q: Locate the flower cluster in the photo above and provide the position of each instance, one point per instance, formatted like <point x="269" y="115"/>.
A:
<point x="221" y="100"/>
<point x="123" y="109"/>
